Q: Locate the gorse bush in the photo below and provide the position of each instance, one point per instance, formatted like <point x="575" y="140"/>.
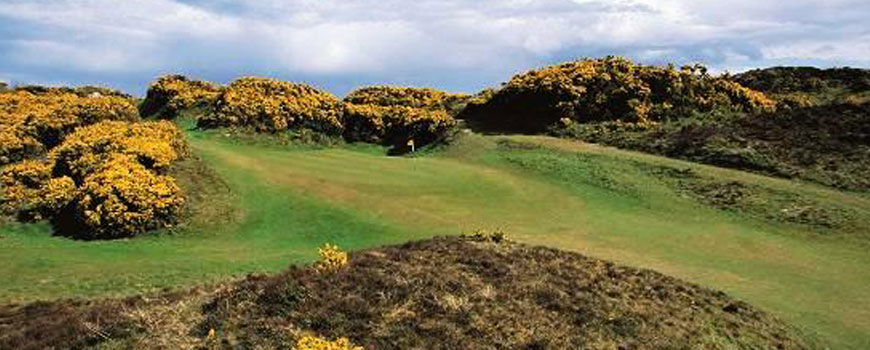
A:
<point x="317" y="343"/>
<point x="155" y="145"/>
<point x="171" y="94"/>
<point x="30" y="190"/>
<point x="394" y="125"/>
<point x="122" y="198"/>
<point x="30" y="124"/>
<point x="104" y="181"/>
<point x="391" y="96"/>
<point x="270" y="105"/>
<point x="81" y="91"/>
<point x="609" y="89"/>
<point x="331" y="258"/>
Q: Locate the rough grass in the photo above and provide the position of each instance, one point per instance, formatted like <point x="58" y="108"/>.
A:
<point x="574" y="196"/>
<point x="444" y="293"/>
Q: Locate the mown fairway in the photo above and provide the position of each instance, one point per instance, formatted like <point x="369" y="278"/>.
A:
<point x="595" y="200"/>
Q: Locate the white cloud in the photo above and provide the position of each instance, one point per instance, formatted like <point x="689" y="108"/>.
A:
<point x="382" y="37"/>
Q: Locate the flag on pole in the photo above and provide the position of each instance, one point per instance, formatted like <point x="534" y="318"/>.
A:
<point x="411" y="144"/>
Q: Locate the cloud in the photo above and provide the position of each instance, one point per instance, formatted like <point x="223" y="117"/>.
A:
<point x="451" y="44"/>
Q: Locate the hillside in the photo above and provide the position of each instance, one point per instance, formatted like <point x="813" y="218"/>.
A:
<point x="444" y="293"/>
<point x="635" y="209"/>
<point x="123" y="213"/>
<point x="793" y="122"/>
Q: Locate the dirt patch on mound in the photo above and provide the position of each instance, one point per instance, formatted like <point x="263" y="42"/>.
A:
<point x="444" y="293"/>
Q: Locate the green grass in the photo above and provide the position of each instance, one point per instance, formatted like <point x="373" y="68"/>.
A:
<point x="595" y="200"/>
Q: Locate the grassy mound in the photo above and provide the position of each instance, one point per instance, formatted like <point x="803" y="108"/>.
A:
<point x="609" y="89"/>
<point x="444" y="293"/>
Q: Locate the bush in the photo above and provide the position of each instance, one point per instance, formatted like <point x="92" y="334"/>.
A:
<point x="425" y="98"/>
<point x="171" y="94"/>
<point x="31" y="124"/>
<point x="395" y="125"/>
<point x="123" y="198"/>
<point x="154" y="144"/>
<point x="317" y="343"/>
<point x="80" y="91"/>
<point x="103" y="181"/>
<point x="30" y="191"/>
<point x="270" y="105"/>
<point x="780" y="80"/>
<point x="609" y="89"/>
<point x="331" y="258"/>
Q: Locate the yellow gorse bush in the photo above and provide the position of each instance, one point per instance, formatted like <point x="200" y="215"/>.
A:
<point x="104" y="181"/>
<point x="611" y="89"/>
<point x="170" y="94"/>
<point x="331" y="258"/>
<point x="270" y="105"/>
<point x="389" y="96"/>
<point x="394" y="125"/>
<point x="317" y="343"/>
<point x="123" y="197"/>
<point x="32" y="123"/>
<point x="155" y="144"/>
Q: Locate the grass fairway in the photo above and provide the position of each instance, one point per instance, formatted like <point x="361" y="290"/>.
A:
<point x="594" y="200"/>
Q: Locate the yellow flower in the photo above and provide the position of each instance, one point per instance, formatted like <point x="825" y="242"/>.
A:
<point x="317" y="343"/>
<point x="331" y="258"/>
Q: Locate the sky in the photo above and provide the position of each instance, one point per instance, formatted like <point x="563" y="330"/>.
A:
<point x="454" y="45"/>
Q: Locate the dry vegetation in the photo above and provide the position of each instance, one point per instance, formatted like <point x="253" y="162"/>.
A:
<point x="445" y="293"/>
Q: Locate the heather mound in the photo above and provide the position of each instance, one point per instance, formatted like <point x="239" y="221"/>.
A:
<point x="443" y="293"/>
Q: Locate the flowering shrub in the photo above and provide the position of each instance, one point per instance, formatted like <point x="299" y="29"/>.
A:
<point x="609" y="89"/>
<point x="317" y="343"/>
<point x="103" y="181"/>
<point x="124" y="198"/>
<point x="31" y="124"/>
<point x="394" y="125"/>
<point x="331" y="258"/>
<point x="270" y="105"/>
<point x="29" y="190"/>
<point x="173" y="93"/>
<point x="400" y="96"/>
<point x="154" y="144"/>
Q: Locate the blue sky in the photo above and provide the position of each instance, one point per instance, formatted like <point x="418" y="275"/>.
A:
<point x="449" y="44"/>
